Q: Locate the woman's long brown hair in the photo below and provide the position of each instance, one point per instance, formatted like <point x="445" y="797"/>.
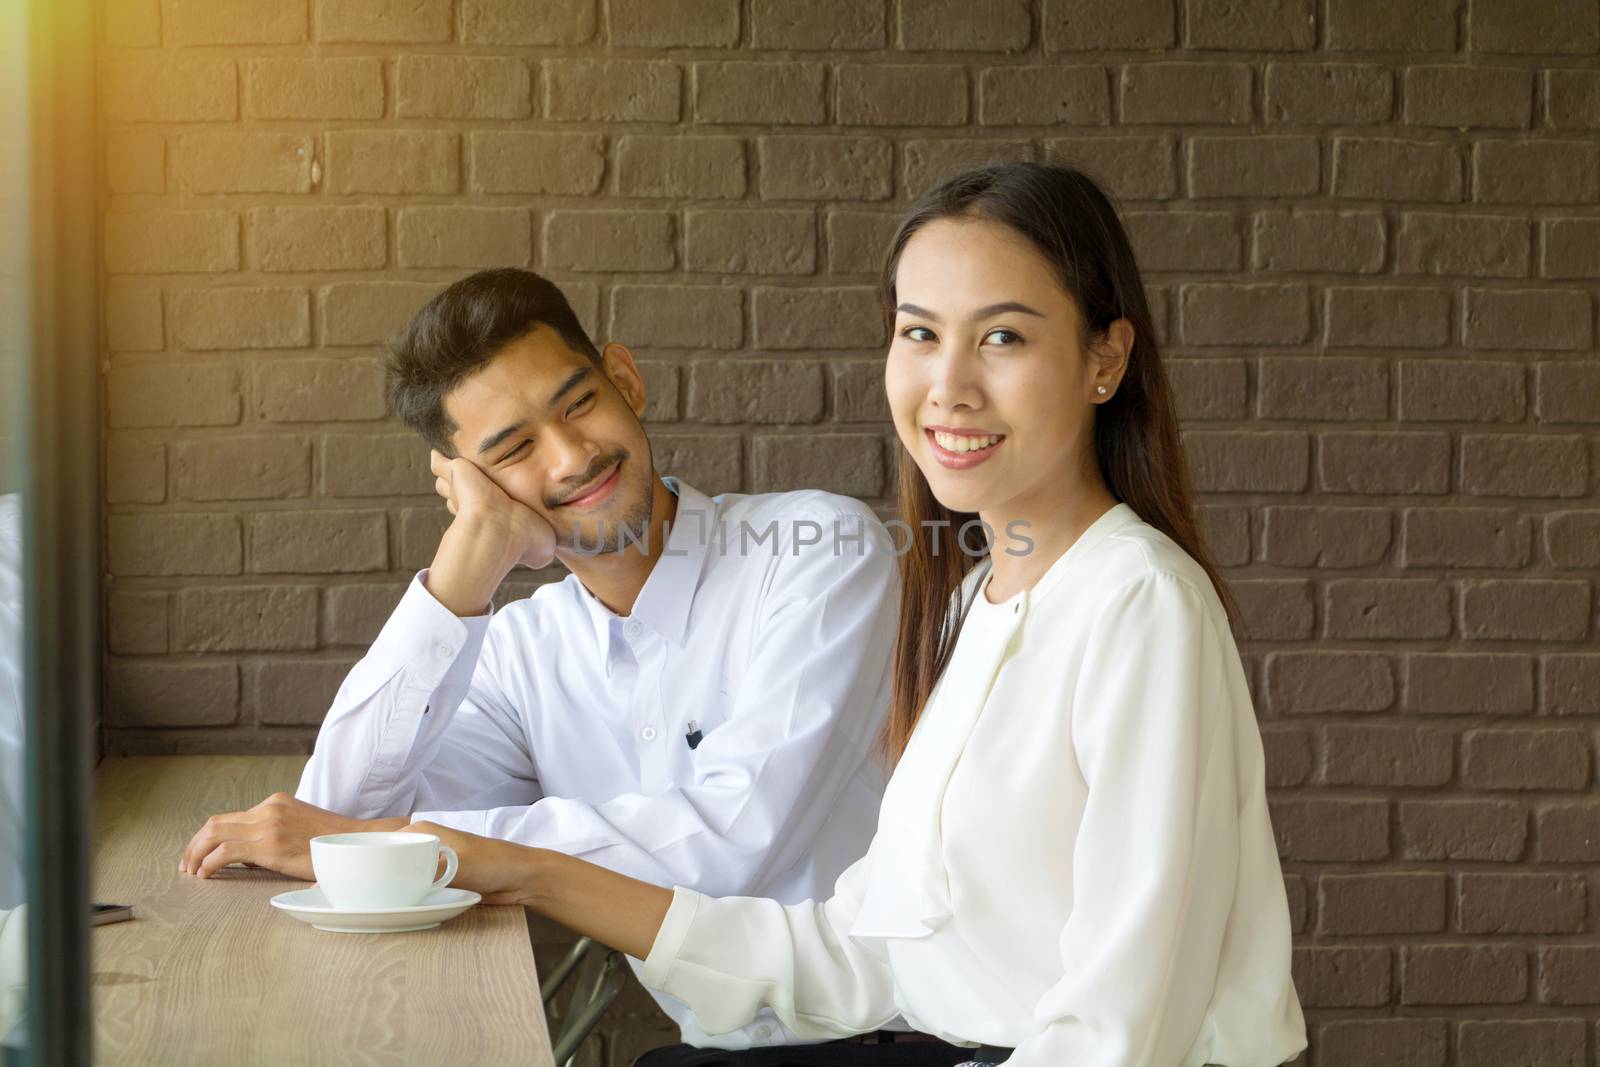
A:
<point x="1072" y="223"/>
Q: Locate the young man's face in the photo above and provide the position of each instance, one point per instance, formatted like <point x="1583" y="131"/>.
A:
<point x="562" y="436"/>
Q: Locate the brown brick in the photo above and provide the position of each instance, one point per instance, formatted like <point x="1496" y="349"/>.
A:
<point x="171" y="693"/>
<point x="292" y="692"/>
<point x="1333" y="830"/>
<point x="1461" y="97"/>
<point x="817" y="317"/>
<point x="1526" y="759"/>
<point x="267" y="618"/>
<point x="750" y="242"/>
<point x="1547" y="27"/>
<point x="1463" y="830"/>
<point x="1456" y="390"/>
<point x="1377" y="609"/>
<point x="1572" y="99"/>
<point x="173" y="544"/>
<point x="241" y="468"/>
<point x="699" y="168"/>
<point x="192" y="22"/>
<point x="1569" y="974"/>
<point x="241" y="317"/>
<point x="393" y="161"/>
<point x="1410" y="902"/>
<point x="1570" y="833"/>
<point x="1129" y="168"/>
<point x="465" y="237"/>
<point x="661" y="384"/>
<point x="758" y="391"/>
<point x="1384" y="463"/>
<point x="374" y="465"/>
<point x="851" y="464"/>
<point x="1329" y="94"/>
<point x="1323" y="389"/>
<point x="609" y="240"/>
<point x="1185" y="240"/>
<point x="136" y="471"/>
<point x="186" y="395"/>
<point x="1463" y="974"/>
<point x="319" y="390"/>
<point x="136" y="162"/>
<point x="1260" y="25"/>
<point x="927" y="163"/>
<point x="858" y="391"/>
<point x="383" y="21"/>
<point x="1572" y="539"/>
<point x="1384" y="1042"/>
<point x="1043" y="95"/>
<point x="612" y="90"/>
<point x="1568" y="392"/>
<point x="1325" y="537"/>
<point x="161" y="88"/>
<point x="318" y="542"/>
<point x="1186" y="93"/>
<point x="955" y="25"/>
<point x="1524" y="465"/>
<point x="1085" y="26"/>
<point x="1287" y="756"/>
<point x="1484" y="246"/>
<point x="1374" y="168"/>
<point x="136" y="623"/>
<point x="892" y="95"/>
<point x="1465" y="537"/>
<point x="1336" y="242"/>
<point x="1255" y="461"/>
<point x="1208" y="388"/>
<point x="1386" y="317"/>
<point x="1254" y="166"/>
<point x="462" y="87"/>
<point x="515" y="22"/>
<point x="677" y="316"/>
<point x="1536" y="172"/>
<point x="420" y="531"/>
<point x="368" y="313"/>
<point x="318" y="238"/>
<point x="776" y="94"/>
<point x="1523" y="609"/>
<point x="1370" y="26"/>
<point x="1528" y="318"/>
<point x="1316" y="682"/>
<point x="347" y="87"/>
<point x="712" y="463"/>
<point x="1571" y="684"/>
<point x="1478" y="683"/>
<point x="1548" y="1043"/>
<point x="512" y="161"/>
<point x="822" y="25"/>
<point x="353" y="614"/>
<point x="1275" y="609"/>
<point x="824" y="168"/>
<point x="1258" y="314"/>
<point x="133" y="316"/>
<point x="171" y="242"/>
<point x="1387" y="756"/>
<point x="131" y="24"/>
<point x="686" y="24"/>
<point x="1522" y="903"/>
<point x="1570" y="248"/>
<point x="1341" y="977"/>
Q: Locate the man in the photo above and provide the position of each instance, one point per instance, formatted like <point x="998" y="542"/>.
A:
<point x="695" y="704"/>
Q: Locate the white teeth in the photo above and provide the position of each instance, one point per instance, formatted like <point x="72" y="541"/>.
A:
<point x="964" y="443"/>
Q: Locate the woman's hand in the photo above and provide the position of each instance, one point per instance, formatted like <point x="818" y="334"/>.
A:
<point x="500" y="870"/>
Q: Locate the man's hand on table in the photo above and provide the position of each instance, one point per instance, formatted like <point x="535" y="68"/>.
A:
<point x="275" y="834"/>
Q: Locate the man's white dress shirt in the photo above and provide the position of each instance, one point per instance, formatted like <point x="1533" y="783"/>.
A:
<point x="767" y="624"/>
<point x="1073" y="856"/>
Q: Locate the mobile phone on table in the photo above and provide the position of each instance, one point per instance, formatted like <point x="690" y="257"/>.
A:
<point x="110" y="913"/>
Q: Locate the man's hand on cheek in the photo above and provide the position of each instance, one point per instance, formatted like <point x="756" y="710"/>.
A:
<point x="491" y="534"/>
<point x="275" y="834"/>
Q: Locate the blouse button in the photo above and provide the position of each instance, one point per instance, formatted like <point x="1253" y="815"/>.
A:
<point x="764" y="1032"/>
<point x="648" y="733"/>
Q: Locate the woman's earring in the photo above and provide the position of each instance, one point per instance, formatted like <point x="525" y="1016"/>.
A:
<point x="1101" y="390"/>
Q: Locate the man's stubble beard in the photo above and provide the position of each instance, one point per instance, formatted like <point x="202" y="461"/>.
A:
<point x="630" y="530"/>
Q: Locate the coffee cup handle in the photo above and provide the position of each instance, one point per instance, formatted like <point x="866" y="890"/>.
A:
<point x="451" y="865"/>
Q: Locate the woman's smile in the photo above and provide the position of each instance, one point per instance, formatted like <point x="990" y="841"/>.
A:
<point x="959" y="449"/>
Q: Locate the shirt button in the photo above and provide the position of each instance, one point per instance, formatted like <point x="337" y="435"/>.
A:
<point x="633" y="628"/>
<point x="444" y="650"/>
<point x="648" y="733"/>
<point x="764" y="1032"/>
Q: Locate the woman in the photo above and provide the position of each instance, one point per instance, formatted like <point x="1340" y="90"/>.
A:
<point x="1073" y="858"/>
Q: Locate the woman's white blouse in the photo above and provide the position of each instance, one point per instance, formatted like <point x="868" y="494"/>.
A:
<point x="1073" y="857"/>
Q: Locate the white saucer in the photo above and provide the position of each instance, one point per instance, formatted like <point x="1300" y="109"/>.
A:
<point x="311" y="906"/>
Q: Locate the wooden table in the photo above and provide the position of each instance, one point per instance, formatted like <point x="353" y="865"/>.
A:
<point x="208" y="973"/>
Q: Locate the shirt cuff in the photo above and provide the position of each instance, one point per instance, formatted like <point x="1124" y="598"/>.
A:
<point x="669" y="939"/>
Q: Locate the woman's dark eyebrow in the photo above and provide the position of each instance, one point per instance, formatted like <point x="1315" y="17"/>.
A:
<point x="981" y="313"/>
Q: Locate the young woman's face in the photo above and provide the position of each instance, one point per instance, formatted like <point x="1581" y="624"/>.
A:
<point x="987" y="376"/>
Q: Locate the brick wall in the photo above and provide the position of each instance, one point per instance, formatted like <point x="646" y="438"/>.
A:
<point x="1372" y="235"/>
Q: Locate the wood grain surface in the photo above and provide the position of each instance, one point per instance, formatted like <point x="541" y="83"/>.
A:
<point x="208" y="973"/>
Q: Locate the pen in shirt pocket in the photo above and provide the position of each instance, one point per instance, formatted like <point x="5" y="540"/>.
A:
<point x="692" y="735"/>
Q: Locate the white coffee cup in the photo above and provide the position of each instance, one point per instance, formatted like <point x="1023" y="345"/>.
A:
<point x="378" y="870"/>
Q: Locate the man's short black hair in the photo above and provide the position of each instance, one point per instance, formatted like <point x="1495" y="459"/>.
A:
<point x="459" y="331"/>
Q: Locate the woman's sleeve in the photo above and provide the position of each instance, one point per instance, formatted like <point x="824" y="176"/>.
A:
<point x="1157" y="852"/>
<point x="728" y="957"/>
